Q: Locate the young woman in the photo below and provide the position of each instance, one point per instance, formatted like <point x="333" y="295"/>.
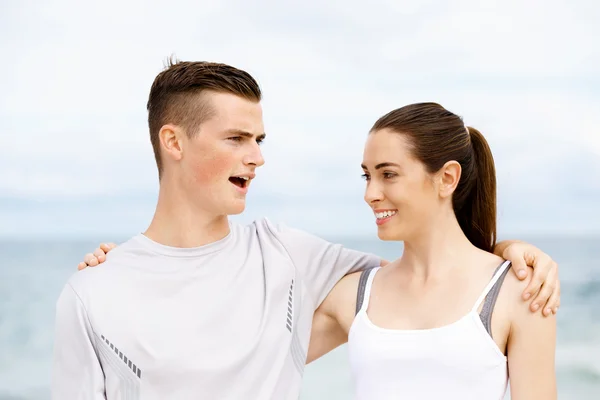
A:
<point x="445" y="320"/>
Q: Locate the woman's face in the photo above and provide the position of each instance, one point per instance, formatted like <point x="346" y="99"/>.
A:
<point x="403" y="195"/>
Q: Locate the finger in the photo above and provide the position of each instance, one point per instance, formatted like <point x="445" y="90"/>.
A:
<point x="520" y="267"/>
<point x="542" y="298"/>
<point x="90" y="260"/>
<point x="106" y="247"/>
<point x="87" y="258"/>
<point x="555" y="283"/>
<point x="554" y="300"/>
<point x="81" y="266"/>
<point x="542" y="266"/>
<point x="100" y="255"/>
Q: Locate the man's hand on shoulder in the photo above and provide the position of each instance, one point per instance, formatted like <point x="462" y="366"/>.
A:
<point x="97" y="257"/>
<point x="544" y="286"/>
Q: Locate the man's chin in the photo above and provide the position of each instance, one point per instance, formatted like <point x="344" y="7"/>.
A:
<point x="236" y="207"/>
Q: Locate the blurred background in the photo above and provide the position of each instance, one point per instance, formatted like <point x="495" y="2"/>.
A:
<point x="76" y="165"/>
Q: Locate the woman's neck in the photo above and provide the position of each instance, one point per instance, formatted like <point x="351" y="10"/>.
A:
<point x="437" y="249"/>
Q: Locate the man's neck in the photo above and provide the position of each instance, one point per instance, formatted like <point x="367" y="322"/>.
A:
<point x="177" y="224"/>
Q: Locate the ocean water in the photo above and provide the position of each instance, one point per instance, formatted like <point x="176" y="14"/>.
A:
<point x="32" y="273"/>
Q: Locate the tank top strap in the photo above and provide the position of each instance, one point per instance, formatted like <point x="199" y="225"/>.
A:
<point x="364" y="288"/>
<point x="499" y="271"/>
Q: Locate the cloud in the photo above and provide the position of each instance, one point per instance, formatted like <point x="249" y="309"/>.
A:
<point x="73" y="101"/>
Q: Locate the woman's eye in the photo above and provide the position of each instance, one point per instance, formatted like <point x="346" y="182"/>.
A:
<point x="366" y="177"/>
<point x="388" y="175"/>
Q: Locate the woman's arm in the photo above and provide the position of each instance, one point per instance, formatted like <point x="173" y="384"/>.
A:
<point x="531" y="352"/>
<point x="326" y="334"/>
<point x="333" y="318"/>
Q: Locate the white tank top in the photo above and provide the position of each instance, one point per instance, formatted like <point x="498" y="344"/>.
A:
<point x="455" y="361"/>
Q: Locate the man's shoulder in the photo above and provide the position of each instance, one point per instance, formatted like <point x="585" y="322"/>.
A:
<point x="265" y="228"/>
<point x="264" y="224"/>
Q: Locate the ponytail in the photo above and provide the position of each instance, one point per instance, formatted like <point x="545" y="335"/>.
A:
<point x="477" y="216"/>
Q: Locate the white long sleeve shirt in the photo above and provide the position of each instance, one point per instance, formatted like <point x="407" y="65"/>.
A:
<point x="229" y="320"/>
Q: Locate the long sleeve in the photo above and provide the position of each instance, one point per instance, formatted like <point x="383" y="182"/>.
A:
<point x="76" y="371"/>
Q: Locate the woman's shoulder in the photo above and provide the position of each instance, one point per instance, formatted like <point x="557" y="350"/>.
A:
<point x="511" y="287"/>
<point x="345" y="291"/>
<point x="511" y="301"/>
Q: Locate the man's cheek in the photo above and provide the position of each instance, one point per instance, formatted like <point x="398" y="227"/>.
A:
<point x="211" y="169"/>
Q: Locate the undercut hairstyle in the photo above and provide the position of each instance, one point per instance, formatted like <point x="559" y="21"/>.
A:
<point x="178" y="96"/>
<point x="437" y="136"/>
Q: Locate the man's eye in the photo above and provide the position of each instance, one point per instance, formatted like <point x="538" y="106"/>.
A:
<point x="236" y="138"/>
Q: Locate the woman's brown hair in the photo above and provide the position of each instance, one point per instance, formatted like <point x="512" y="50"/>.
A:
<point x="438" y="136"/>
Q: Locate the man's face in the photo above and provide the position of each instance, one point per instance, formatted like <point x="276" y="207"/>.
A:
<point x="219" y="161"/>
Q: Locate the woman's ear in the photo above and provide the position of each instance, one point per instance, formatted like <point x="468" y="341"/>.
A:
<point x="449" y="177"/>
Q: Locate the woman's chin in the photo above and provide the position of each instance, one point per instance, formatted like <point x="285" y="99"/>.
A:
<point x="387" y="235"/>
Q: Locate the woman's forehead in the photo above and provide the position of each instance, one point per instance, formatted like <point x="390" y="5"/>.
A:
<point x="385" y="146"/>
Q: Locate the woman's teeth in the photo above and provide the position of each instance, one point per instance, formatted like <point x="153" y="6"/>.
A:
<point x="384" y="214"/>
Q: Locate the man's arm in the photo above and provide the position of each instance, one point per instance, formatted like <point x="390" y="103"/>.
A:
<point x="76" y="370"/>
<point x="322" y="264"/>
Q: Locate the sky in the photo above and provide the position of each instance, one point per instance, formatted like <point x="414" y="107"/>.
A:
<point x="75" y="155"/>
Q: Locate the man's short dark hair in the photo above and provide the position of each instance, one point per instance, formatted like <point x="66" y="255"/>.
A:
<point x="176" y="95"/>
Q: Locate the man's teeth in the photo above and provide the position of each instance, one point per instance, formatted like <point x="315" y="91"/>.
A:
<point x="385" y="214"/>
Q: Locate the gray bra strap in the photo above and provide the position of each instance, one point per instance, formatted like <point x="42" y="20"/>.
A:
<point x="362" y="284"/>
<point x="490" y="301"/>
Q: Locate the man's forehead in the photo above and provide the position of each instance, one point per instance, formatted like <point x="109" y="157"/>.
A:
<point x="235" y="115"/>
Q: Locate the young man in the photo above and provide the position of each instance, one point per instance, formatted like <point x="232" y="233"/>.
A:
<point x="196" y="306"/>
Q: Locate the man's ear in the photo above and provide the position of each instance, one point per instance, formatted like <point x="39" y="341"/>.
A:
<point x="449" y="176"/>
<point x="170" y="141"/>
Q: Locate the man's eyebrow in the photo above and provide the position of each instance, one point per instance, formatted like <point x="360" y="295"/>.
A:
<point x="382" y="165"/>
<point x="247" y="134"/>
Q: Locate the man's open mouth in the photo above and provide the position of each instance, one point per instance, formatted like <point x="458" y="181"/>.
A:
<point x="241" y="182"/>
